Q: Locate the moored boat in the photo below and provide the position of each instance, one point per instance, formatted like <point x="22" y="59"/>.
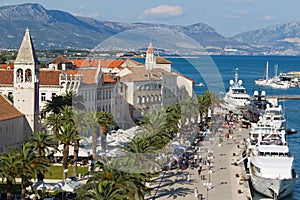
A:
<point x="269" y="160"/>
<point x="236" y="97"/>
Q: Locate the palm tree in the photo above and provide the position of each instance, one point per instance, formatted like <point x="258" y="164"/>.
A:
<point x="66" y="136"/>
<point x="42" y="141"/>
<point x="10" y="164"/>
<point x="30" y="166"/>
<point x="106" y="122"/>
<point x="70" y="98"/>
<point x="106" y="190"/>
<point x="203" y="106"/>
<point x="189" y="110"/>
<point x="93" y="119"/>
<point x="77" y="119"/>
<point x="110" y="183"/>
<point x="54" y="121"/>
<point x="173" y="117"/>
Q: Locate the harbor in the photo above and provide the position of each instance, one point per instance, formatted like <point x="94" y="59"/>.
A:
<point x="224" y="178"/>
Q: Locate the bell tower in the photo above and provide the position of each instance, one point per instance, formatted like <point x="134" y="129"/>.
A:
<point x="150" y="58"/>
<point x="26" y="83"/>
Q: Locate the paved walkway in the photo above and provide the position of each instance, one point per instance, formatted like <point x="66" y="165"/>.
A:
<point x="225" y="177"/>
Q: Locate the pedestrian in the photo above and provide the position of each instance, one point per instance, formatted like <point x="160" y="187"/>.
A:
<point x="199" y="171"/>
<point x="196" y="193"/>
<point x="188" y="177"/>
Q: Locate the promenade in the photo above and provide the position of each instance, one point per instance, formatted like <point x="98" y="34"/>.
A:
<point x="225" y="178"/>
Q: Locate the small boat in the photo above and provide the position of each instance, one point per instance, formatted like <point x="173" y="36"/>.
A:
<point x="201" y="84"/>
<point x="291" y="131"/>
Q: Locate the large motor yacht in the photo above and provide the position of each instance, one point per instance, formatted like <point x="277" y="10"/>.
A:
<point x="236" y="97"/>
<point x="269" y="160"/>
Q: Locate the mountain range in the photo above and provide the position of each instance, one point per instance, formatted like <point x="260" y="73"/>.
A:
<point x="55" y="29"/>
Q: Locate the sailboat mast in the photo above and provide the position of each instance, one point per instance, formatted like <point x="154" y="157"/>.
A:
<point x="267" y="71"/>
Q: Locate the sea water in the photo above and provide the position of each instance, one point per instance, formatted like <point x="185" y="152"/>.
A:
<point x="215" y="72"/>
<point x="250" y="68"/>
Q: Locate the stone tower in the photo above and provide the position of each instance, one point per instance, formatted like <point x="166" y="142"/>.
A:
<point x="26" y="83"/>
<point x="150" y="58"/>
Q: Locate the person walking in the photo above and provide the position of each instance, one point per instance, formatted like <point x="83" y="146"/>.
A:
<point x="188" y="177"/>
<point x="199" y="169"/>
<point x="196" y="193"/>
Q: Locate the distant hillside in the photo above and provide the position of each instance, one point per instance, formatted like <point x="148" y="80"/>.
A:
<point x="56" y="29"/>
<point x="283" y="37"/>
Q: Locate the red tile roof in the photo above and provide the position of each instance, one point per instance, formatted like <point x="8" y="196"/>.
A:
<point x="6" y="77"/>
<point x="112" y="63"/>
<point x="60" y="59"/>
<point x="95" y="63"/>
<point x="49" y="77"/>
<point x="178" y="74"/>
<point x="7" y="66"/>
<point x="162" y="60"/>
<point x="88" y="75"/>
<point x="7" y="110"/>
<point x="108" y="79"/>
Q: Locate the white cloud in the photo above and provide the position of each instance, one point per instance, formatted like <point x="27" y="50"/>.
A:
<point x="269" y="18"/>
<point x="164" y="10"/>
<point x="229" y="16"/>
<point x="241" y="2"/>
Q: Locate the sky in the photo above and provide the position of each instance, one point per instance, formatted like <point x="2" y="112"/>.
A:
<point x="227" y="17"/>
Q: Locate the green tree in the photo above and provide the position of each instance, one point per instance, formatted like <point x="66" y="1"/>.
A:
<point x="93" y="119"/>
<point x="66" y="137"/>
<point x="31" y="165"/>
<point x="70" y="98"/>
<point x="106" y="123"/>
<point x="41" y="142"/>
<point x="77" y="119"/>
<point x="10" y="164"/>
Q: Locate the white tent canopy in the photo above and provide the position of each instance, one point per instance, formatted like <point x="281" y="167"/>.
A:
<point x="68" y="185"/>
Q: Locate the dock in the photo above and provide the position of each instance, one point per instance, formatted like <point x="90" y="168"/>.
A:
<point x="226" y="180"/>
<point x="284" y="97"/>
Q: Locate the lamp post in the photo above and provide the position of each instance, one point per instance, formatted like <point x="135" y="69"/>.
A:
<point x="66" y="173"/>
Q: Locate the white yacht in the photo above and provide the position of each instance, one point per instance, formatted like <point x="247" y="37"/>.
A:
<point x="236" y="97"/>
<point x="274" y="116"/>
<point x="270" y="162"/>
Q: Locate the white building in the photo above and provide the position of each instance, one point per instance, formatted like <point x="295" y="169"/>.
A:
<point x="21" y="119"/>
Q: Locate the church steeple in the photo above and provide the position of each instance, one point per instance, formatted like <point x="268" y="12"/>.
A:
<point x="26" y="52"/>
<point x="150" y="58"/>
<point x="26" y="83"/>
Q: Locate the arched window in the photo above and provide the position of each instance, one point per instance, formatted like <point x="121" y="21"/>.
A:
<point x="28" y="75"/>
<point x="19" y="75"/>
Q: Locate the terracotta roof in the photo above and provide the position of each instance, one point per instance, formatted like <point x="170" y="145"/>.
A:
<point x="89" y="75"/>
<point x="108" y="79"/>
<point x="59" y="59"/>
<point x="150" y="49"/>
<point x="112" y="63"/>
<point x="142" y="74"/>
<point x="178" y="74"/>
<point x="6" y="77"/>
<point x="7" y="110"/>
<point x="162" y="60"/>
<point x="6" y="66"/>
<point x="49" y="77"/>
<point x="84" y="63"/>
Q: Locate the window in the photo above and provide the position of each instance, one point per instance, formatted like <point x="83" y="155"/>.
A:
<point x="19" y="75"/>
<point x="43" y="97"/>
<point x="28" y="75"/>
<point x="53" y="95"/>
